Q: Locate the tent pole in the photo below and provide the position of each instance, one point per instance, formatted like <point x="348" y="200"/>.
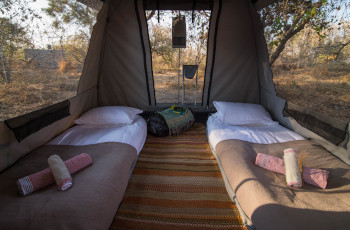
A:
<point x="195" y="96"/>
<point x="178" y="81"/>
<point x="183" y="86"/>
<point x="183" y="83"/>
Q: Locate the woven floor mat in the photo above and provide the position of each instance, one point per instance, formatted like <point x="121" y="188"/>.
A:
<point x="177" y="184"/>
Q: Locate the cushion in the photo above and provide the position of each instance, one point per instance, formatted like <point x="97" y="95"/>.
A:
<point x="109" y="115"/>
<point x="232" y="113"/>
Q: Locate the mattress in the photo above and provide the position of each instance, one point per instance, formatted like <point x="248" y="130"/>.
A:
<point x="266" y="134"/>
<point x="133" y="134"/>
<point x="92" y="201"/>
<point x="265" y="197"/>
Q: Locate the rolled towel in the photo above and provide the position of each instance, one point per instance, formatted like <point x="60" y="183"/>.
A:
<point x="293" y="176"/>
<point x="315" y="177"/>
<point x="36" y="181"/>
<point x="60" y="172"/>
<point x="271" y="163"/>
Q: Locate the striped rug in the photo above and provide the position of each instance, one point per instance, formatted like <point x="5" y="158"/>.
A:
<point x="177" y="184"/>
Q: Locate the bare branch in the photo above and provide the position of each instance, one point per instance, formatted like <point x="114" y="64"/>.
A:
<point x="151" y="15"/>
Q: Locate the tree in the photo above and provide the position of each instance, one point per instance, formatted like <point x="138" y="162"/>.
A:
<point x="17" y="9"/>
<point x="12" y="38"/>
<point x="12" y="35"/>
<point x="5" y="71"/>
<point x="197" y="34"/>
<point x="76" y="47"/>
<point x="333" y="49"/>
<point x="71" y="12"/>
<point x="199" y="29"/>
<point x="284" y="19"/>
<point x="161" y="43"/>
<point x="340" y="40"/>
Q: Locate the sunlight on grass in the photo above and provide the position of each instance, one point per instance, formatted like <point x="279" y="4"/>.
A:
<point x="327" y="93"/>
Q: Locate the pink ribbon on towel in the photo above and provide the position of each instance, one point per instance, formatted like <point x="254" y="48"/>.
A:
<point x="315" y="177"/>
<point x="36" y="181"/>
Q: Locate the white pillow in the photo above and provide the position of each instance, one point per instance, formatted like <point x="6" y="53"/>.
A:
<point x="232" y="113"/>
<point x="109" y="115"/>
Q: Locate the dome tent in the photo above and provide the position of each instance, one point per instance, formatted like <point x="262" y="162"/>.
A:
<point x="118" y="71"/>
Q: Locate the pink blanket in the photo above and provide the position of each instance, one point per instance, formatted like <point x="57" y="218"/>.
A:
<point x="36" y="181"/>
<point x="316" y="177"/>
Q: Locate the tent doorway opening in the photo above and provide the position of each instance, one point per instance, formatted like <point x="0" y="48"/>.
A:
<point x="168" y="59"/>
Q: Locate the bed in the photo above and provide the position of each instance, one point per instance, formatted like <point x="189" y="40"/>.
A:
<point x="113" y="139"/>
<point x="133" y="134"/>
<point x="237" y="133"/>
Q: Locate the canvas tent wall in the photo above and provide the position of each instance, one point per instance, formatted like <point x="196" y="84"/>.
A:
<point x="126" y="68"/>
<point x="41" y="126"/>
<point x="118" y="70"/>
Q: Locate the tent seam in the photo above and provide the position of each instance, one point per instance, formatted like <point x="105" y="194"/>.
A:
<point x="214" y="51"/>
<point x="149" y="44"/>
<point x="143" y="50"/>
<point x="206" y="63"/>
<point x="256" y="48"/>
<point x="103" y="48"/>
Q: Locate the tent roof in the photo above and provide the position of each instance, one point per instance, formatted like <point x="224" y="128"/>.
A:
<point x="96" y="4"/>
<point x="259" y="4"/>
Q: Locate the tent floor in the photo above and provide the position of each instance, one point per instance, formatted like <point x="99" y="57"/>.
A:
<point x="177" y="184"/>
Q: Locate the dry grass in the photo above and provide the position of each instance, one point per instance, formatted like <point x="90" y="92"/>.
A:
<point x="166" y="87"/>
<point x="324" y="89"/>
<point x="33" y="89"/>
<point x="64" y="66"/>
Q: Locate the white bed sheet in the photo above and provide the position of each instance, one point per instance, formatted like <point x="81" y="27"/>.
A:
<point x="134" y="134"/>
<point x="267" y="134"/>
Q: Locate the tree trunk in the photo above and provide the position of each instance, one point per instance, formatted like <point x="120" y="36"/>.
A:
<point x="278" y="51"/>
<point x="6" y="69"/>
<point x="288" y="35"/>
<point x="342" y="46"/>
<point x="151" y="15"/>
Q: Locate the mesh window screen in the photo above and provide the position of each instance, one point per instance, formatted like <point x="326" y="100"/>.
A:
<point x="178" y="38"/>
<point x="43" y="44"/>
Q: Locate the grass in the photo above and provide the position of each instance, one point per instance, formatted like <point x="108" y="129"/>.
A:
<point x="166" y="88"/>
<point x="324" y="89"/>
<point x="33" y="89"/>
